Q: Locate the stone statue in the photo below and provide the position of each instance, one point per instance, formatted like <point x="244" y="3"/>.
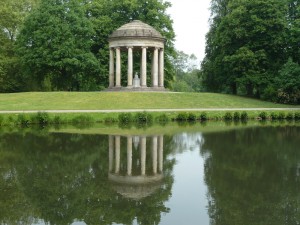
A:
<point x="136" y="81"/>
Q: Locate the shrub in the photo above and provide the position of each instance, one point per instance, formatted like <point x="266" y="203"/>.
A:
<point x="162" y="118"/>
<point x="182" y="117"/>
<point x="125" y="118"/>
<point x="297" y="116"/>
<point x="290" y="116"/>
<point x="1" y="120"/>
<point x="228" y="116"/>
<point x="57" y="120"/>
<point x="42" y="118"/>
<point x="10" y="120"/>
<point x="281" y="116"/>
<point x="191" y="117"/>
<point x="236" y="116"/>
<point x="203" y="116"/>
<point x="244" y="116"/>
<point x="274" y="116"/>
<point x="22" y="120"/>
<point x="143" y="117"/>
<point x="287" y="83"/>
<point x="262" y="115"/>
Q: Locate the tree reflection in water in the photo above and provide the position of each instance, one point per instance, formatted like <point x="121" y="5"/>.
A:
<point x="253" y="176"/>
<point x="62" y="178"/>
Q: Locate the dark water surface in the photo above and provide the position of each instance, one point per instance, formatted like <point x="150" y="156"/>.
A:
<point x="236" y="176"/>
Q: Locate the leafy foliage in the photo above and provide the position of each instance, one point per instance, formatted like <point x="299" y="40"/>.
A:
<point x="13" y="13"/>
<point x="253" y="181"/>
<point x="63" y="44"/>
<point x="247" y="46"/>
<point x="54" y="46"/>
<point x="187" y="73"/>
<point x="288" y="83"/>
<point x="62" y="177"/>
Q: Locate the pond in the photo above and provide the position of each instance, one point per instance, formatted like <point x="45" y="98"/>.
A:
<point x="175" y="174"/>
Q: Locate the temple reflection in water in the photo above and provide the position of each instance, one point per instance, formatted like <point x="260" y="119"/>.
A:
<point x="139" y="172"/>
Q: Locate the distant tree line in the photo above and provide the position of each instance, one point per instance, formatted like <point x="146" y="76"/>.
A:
<point x="187" y="71"/>
<point x="253" y="49"/>
<point x="55" y="45"/>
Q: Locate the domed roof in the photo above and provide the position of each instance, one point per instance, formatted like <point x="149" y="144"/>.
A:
<point x="136" y="28"/>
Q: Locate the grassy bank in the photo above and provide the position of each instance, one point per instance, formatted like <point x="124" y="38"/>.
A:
<point x="126" y="100"/>
<point x="89" y="119"/>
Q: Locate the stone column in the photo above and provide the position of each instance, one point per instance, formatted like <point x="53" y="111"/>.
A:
<point x="118" y="67"/>
<point x="154" y="154"/>
<point x="144" y="67"/>
<point x="130" y="67"/>
<point x="161" y="69"/>
<point x="117" y="146"/>
<point x="160" y="153"/>
<point x="143" y="155"/>
<point x="129" y="155"/>
<point x="111" y="152"/>
<point x="111" y="68"/>
<point x="155" y="68"/>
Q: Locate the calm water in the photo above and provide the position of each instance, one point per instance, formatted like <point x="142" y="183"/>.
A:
<point x="236" y="176"/>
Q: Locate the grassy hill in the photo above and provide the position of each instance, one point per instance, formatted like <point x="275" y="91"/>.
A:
<point x="126" y="100"/>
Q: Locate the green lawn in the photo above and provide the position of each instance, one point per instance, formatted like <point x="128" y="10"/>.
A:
<point x="126" y="100"/>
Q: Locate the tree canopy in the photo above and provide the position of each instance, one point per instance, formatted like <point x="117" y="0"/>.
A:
<point x="54" y="46"/>
<point x="63" y="43"/>
<point x="13" y="14"/>
<point x="248" y="44"/>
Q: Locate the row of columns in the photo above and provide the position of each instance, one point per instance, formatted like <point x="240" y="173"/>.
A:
<point x="115" y="158"/>
<point x="157" y="71"/>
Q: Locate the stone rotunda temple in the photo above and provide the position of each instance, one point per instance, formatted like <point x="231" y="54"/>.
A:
<point x="136" y="37"/>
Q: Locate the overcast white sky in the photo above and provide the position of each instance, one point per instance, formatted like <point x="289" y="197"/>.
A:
<point x="190" y="19"/>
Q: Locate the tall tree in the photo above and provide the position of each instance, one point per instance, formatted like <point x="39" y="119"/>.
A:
<point x="212" y="74"/>
<point x="246" y="47"/>
<point x="13" y="13"/>
<point x="54" y="46"/>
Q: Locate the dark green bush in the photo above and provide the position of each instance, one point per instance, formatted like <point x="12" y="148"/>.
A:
<point x="125" y="118"/>
<point x="1" y="120"/>
<point x="281" y="116"/>
<point x="274" y="116"/>
<point x="162" y="118"/>
<point x="143" y="117"/>
<point x="42" y="118"/>
<point x="228" y="116"/>
<point x="290" y="116"/>
<point x="191" y="117"/>
<point x="262" y="115"/>
<point x="57" y="120"/>
<point x="22" y="120"/>
<point x="244" y="116"/>
<point x="182" y="116"/>
<point x="297" y="116"/>
<point x="203" y="116"/>
<point x="236" y="116"/>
